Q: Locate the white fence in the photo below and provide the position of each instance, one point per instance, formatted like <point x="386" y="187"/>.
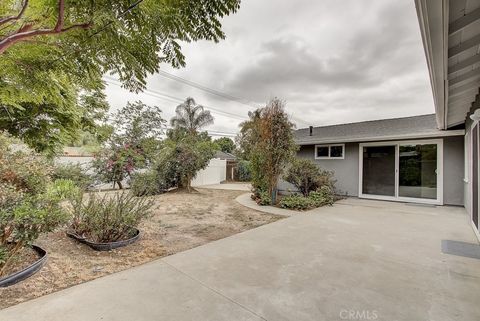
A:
<point x="214" y="173"/>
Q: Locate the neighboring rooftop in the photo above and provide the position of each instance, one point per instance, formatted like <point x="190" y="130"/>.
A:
<point x="222" y="155"/>
<point x="423" y="126"/>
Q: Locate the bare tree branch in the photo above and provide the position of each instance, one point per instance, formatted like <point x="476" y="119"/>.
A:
<point x="12" y="18"/>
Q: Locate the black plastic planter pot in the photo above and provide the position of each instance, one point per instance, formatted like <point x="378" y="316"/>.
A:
<point x="73" y="235"/>
<point x="26" y="272"/>
<point x="106" y="246"/>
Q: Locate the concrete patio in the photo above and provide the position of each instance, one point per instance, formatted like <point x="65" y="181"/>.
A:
<point x="357" y="260"/>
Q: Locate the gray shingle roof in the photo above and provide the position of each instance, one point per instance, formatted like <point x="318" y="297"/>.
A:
<point x="385" y="129"/>
<point x="223" y="155"/>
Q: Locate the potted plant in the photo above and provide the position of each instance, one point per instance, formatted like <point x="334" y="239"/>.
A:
<point x="110" y="221"/>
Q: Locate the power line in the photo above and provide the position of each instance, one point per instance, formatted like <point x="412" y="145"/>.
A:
<point x="158" y="94"/>
<point x="215" y="92"/>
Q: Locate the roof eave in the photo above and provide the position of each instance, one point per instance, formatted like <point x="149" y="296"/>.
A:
<point x="433" y="21"/>
<point x="438" y="134"/>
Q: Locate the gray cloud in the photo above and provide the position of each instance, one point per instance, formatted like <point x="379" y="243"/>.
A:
<point x="333" y="61"/>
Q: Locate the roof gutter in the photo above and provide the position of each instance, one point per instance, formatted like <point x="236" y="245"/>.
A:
<point x="439" y="134"/>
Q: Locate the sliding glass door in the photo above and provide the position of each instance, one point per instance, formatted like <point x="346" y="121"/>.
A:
<point x="379" y="170"/>
<point x="404" y="171"/>
<point x="418" y="171"/>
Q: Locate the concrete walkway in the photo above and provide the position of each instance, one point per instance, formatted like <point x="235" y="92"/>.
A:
<point x="229" y="186"/>
<point x="353" y="261"/>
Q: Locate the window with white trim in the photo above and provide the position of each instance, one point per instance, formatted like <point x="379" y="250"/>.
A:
<point x="334" y="151"/>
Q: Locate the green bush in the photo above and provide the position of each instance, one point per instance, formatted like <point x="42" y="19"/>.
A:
<point x="296" y="202"/>
<point x="307" y="176"/>
<point x="143" y="184"/>
<point x="22" y="224"/>
<point x="323" y="196"/>
<point x="62" y="189"/>
<point x="262" y="198"/>
<point x="243" y="171"/>
<point x="110" y="218"/>
<point x="29" y="202"/>
<point x="75" y="173"/>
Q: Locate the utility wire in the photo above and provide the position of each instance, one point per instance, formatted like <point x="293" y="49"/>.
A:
<point x="215" y="92"/>
<point x="158" y="94"/>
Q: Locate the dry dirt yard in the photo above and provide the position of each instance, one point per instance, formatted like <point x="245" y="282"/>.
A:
<point x="181" y="221"/>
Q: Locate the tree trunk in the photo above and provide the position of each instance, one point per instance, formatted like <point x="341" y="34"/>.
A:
<point x="119" y="183"/>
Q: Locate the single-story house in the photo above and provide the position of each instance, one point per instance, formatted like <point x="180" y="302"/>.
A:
<point x="403" y="159"/>
<point x="430" y="159"/>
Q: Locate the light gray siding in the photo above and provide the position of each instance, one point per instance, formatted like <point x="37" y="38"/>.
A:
<point x="346" y="170"/>
<point x="453" y="170"/>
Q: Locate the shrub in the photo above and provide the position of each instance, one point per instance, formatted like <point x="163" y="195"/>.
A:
<point x="243" y="171"/>
<point x="264" y="198"/>
<point x="307" y="176"/>
<point x="323" y="196"/>
<point x="62" y="189"/>
<point x="296" y="202"/>
<point x="109" y="218"/>
<point x="75" y="173"/>
<point x="29" y="202"/>
<point x="147" y="183"/>
<point x="22" y="224"/>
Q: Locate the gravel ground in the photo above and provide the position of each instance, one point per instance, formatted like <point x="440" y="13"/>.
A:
<point x="181" y="221"/>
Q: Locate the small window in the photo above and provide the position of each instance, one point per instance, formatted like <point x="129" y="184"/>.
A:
<point x="322" y="151"/>
<point x="330" y="151"/>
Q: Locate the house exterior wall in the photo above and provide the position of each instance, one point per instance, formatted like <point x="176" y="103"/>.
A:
<point x="453" y="170"/>
<point x="347" y="170"/>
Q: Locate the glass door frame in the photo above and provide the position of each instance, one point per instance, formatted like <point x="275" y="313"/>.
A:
<point x="397" y="198"/>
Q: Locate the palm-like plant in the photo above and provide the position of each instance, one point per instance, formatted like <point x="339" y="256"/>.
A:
<point x="191" y="117"/>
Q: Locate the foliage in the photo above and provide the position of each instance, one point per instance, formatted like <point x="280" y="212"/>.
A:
<point x="73" y="172"/>
<point x="62" y="189"/>
<point x="29" y="202"/>
<point x="249" y="135"/>
<point x="48" y="126"/>
<point x="181" y="159"/>
<point x="321" y="197"/>
<point x="147" y="183"/>
<point x="296" y="202"/>
<point x="26" y="209"/>
<point x="262" y="198"/>
<point x="307" y="176"/>
<point x="268" y="136"/>
<point x="109" y="218"/>
<point x="243" y="171"/>
<point x="133" y="144"/>
<point x="138" y="123"/>
<point x="22" y="168"/>
<point x="116" y="163"/>
<point x="54" y="52"/>
<point x="191" y="117"/>
<point x="225" y="144"/>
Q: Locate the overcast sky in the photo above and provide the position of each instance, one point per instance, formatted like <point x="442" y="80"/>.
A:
<point x="332" y="61"/>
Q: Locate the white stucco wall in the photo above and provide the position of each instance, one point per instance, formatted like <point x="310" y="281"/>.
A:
<point x="214" y="173"/>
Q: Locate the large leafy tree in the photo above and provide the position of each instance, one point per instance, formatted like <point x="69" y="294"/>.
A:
<point x="53" y="51"/>
<point x="269" y="137"/>
<point x="225" y="144"/>
<point x="191" y="117"/>
<point x="133" y="144"/>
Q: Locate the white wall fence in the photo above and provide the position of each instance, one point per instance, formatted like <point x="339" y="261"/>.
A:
<point x="214" y="173"/>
